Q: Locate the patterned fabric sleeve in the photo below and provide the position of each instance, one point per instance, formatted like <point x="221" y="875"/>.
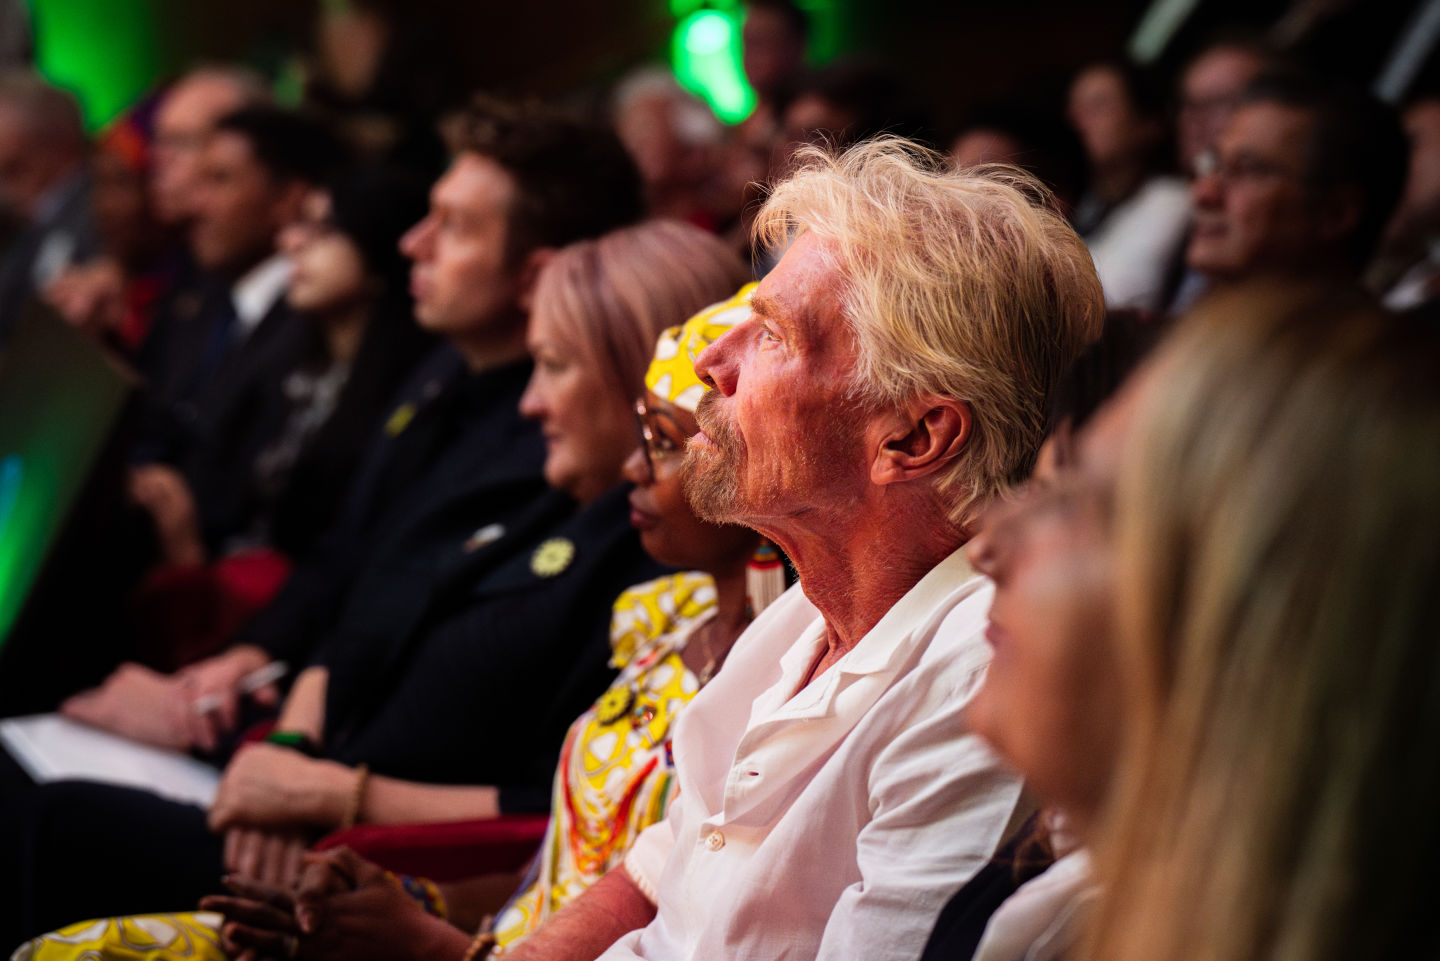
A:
<point x="616" y="776"/>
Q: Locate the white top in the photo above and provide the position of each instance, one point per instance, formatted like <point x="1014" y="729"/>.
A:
<point x="1137" y="243"/>
<point x="256" y="292"/>
<point x="1041" y="920"/>
<point x="835" y="823"/>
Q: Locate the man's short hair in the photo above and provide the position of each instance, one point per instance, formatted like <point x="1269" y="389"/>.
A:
<point x="963" y="283"/>
<point x="290" y="145"/>
<point x="573" y="178"/>
<point x="51" y="115"/>
<point x="1356" y="142"/>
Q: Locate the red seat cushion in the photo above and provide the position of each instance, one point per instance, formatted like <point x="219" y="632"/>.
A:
<point x="446" y="851"/>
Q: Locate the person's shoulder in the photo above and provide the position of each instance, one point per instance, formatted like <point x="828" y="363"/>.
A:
<point x="956" y="648"/>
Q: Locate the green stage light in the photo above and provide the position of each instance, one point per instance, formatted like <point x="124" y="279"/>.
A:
<point x="706" y="56"/>
<point x="104" y="51"/>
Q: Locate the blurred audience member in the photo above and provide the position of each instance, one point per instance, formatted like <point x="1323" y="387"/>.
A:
<point x="1015" y="134"/>
<point x="675" y="141"/>
<point x="773" y="39"/>
<point x="113" y="297"/>
<point x="188" y="112"/>
<point x="382" y="75"/>
<point x="45" y="182"/>
<point x="1132" y="216"/>
<point x="1301" y="183"/>
<point x="1406" y="272"/>
<point x="208" y="368"/>
<point x="1275" y="791"/>
<point x="1210" y="87"/>
<point x="348" y="291"/>
<point x="146" y="176"/>
<point x="834" y="106"/>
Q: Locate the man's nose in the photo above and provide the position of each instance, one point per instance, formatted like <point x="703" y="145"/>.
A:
<point x="716" y="365"/>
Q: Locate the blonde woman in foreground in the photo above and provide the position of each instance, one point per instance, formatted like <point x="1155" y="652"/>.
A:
<point x="1278" y="587"/>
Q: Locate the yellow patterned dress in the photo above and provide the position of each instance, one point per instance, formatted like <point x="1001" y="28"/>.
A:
<point x="616" y="776"/>
<point x="145" y="936"/>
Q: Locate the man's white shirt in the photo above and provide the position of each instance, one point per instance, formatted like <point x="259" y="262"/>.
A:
<point x="833" y="821"/>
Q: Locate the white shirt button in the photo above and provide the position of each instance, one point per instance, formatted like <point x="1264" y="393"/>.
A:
<point x="715" y="840"/>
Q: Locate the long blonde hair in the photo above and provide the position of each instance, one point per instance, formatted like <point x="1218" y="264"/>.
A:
<point x="1279" y="583"/>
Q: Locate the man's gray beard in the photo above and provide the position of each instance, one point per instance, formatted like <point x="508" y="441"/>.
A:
<point x="711" y="485"/>
<point x="711" y="478"/>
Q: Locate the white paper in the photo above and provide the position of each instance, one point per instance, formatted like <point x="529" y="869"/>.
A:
<point x="54" y="748"/>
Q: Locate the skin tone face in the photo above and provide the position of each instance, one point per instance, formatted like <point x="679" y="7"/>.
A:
<point x="772" y="53"/>
<point x="1209" y="92"/>
<point x="182" y="123"/>
<point x="328" y="272"/>
<point x="669" y="529"/>
<point x="239" y="207"/>
<point x="1050" y="702"/>
<point x="1105" y="119"/>
<point x="462" y="281"/>
<point x="1420" y="205"/>
<point x="778" y="432"/>
<point x="983" y="146"/>
<point x="1253" y="212"/>
<point x="588" y="432"/>
<point x="122" y="211"/>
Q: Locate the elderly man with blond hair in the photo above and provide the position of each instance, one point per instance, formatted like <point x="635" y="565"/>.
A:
<point x="891" y="380"/>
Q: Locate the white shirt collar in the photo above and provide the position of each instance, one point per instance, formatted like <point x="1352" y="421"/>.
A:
<point x="257" y="291"/>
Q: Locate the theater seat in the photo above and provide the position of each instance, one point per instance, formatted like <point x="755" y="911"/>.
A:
<point x="446" y="851"/>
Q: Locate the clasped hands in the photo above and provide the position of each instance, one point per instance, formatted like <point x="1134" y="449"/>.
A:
<point x="271" y="803"/>
<point x="343" y="908"/>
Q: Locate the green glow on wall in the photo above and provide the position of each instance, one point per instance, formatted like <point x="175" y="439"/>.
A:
<point x="705" y="52"/>
<point x="48" y="448"/>
<point x="104" y="51"/>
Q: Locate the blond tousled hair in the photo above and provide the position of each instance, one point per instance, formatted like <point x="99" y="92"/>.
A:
<point x="1279" y="605"/>
<point x="963" y="283"/>
<point x="612" y="296"/>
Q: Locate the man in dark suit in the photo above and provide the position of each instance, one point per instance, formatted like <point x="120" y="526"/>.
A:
<point x="455" y="456"/>
<point x="213" y="346"/>
<point x="44" y="180"/>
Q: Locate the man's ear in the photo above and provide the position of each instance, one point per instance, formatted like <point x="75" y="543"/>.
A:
<point x="529" y="272"/>
<point x="929" y="433"/>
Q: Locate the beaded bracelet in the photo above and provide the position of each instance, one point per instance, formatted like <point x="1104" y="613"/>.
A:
<point x="425" y="892"/>
<point x="352" y="809"/>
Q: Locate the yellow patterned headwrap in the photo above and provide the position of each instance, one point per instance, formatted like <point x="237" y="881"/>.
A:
<point x="672" y="372"/>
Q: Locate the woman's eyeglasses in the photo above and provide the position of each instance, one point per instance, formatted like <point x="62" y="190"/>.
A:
<point x="654" y="441"/>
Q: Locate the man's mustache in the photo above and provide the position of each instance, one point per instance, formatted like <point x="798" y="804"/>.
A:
<point x="720" y="431"/>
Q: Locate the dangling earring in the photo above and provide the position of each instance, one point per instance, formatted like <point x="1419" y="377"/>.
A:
<point x="764" y="577"/>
